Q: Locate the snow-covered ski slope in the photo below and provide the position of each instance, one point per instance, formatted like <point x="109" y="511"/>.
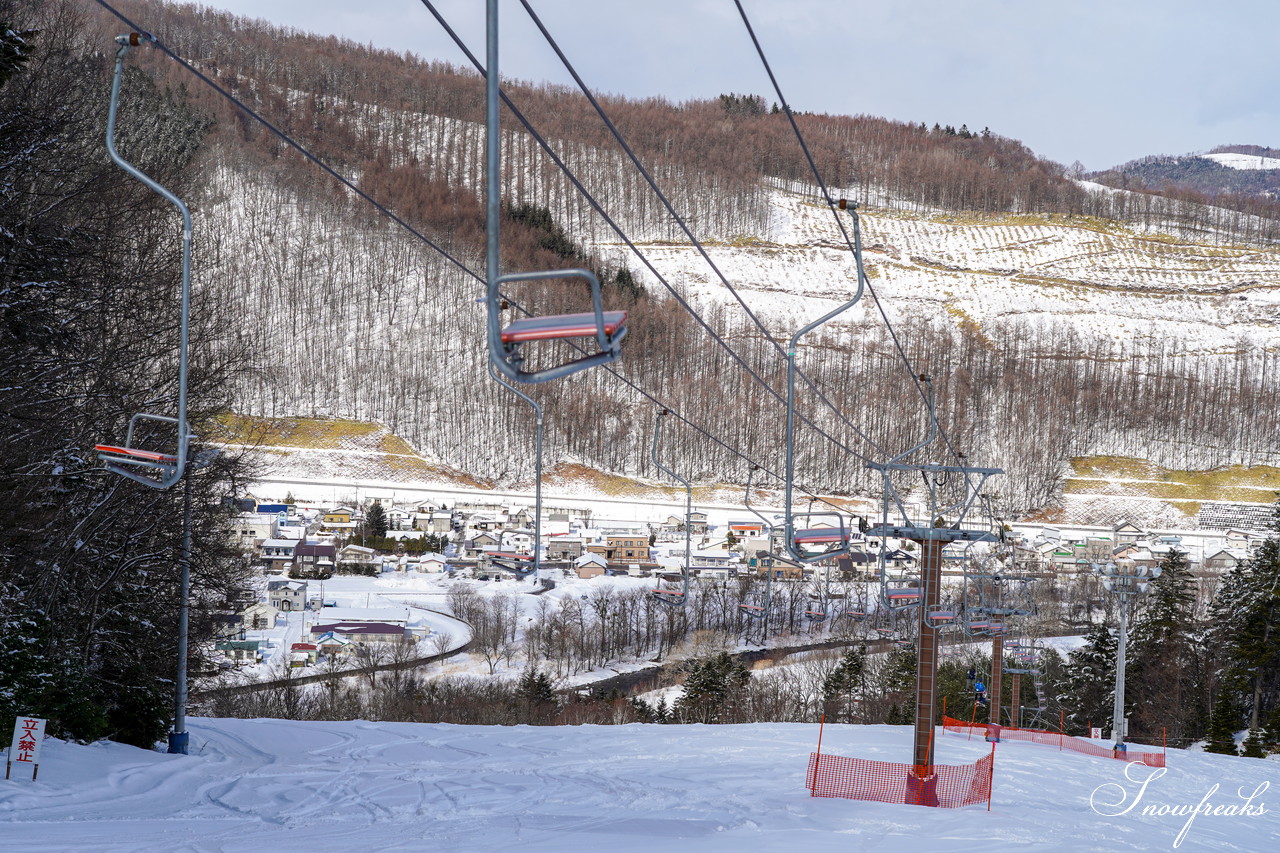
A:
<point x="341" y="787"/>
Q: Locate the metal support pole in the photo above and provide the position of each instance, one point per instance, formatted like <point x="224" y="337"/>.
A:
<point x="927" y="650"/>
<point x="492" y="154"/>
<point x="922" y="783"/>
<point x="179" y="737"/>
<point x="537" y="466"/>
<point x="1117" y="718"/>
<point x="997" y="665"/>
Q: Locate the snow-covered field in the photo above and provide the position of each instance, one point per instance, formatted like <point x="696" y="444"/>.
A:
<point x="341" y="787"/>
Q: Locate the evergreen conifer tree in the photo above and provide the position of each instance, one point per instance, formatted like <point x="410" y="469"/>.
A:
<point x="1223" y="725"/>
<point x="1246" y="616"/>
<point x="375" y="520"/>
<point x="538" y="696"/>
<point x="1087" y="690"/>
<point x="1165" y="678"/>
<point x="841" y="686"/>
<point x="710" y="687"/>
<point x="1255" y="744"/>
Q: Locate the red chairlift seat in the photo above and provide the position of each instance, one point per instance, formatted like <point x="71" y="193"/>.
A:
<point x="149" y="467"/>
<point x="133" y="455"/>
<point x="809" y="543"/>
<point x="668" y="595"/>
<point x="561" y="326"/>
<point x="520" y="564"/>
<point x="819" y="536"/>
<point x="942" y="615"/>
<point x="751" y="609"/>
<point x="903" y="593"/>
<point x="509" y="555"/>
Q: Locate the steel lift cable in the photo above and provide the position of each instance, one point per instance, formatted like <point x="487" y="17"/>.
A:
<point x="786" y="108"/>
<point x="292" y="143"/>
<point x="680" y="221"/>
<point x="555" y="158"/>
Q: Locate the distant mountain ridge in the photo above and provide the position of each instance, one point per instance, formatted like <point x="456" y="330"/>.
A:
<point x="1240" y="170"/>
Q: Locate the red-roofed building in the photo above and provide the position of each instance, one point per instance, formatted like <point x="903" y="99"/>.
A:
<point x="309" y="651"/>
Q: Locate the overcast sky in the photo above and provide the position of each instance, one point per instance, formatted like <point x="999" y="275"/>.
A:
<point x="1099" y="81"/>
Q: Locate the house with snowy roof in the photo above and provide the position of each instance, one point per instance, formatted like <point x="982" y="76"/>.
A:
<point x="590" y="565"/>
<point x="360" y="632"/>
<point x="287" y="595"/>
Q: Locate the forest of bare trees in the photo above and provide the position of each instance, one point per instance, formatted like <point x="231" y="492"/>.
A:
<point x="344" y="314"/>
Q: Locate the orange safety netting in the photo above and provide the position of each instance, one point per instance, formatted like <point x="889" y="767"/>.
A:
<point x="1075" y="744"/>
<point x="941" y="785"/>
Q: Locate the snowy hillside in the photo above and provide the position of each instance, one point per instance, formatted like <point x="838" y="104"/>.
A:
<point x="292" y="787"/>
<point x="1243" y="161"/>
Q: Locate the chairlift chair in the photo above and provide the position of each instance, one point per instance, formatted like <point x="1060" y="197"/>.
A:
<point x="941" y="614"/>
<point x="756" y="609"/>
<point x="156" y="469"/>
<point x="809" y="540"/>
<point x="805" y="541"/>
<point x="816" y="611"/>
<point x="506" y="343"/>
<point x="521" y="565"/>
<point x="899" y="597"/>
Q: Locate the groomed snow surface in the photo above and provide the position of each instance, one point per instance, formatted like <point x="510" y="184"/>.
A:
<point x="330" y="787"/>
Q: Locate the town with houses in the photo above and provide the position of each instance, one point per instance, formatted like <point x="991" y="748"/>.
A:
<point x="295" y="549"/>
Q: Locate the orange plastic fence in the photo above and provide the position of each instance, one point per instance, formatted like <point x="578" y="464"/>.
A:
<point x="942" y="785"/>
<point x="1075" y="744"/>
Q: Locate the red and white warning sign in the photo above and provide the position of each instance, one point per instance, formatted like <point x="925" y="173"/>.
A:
<point x="24" y="749"/>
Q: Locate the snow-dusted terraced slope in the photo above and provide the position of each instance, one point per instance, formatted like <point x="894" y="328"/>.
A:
<point x="1103" y="280"/>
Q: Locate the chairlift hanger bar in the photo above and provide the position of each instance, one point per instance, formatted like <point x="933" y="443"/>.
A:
<point x="792" y="541"/>
<point x="120" y="460"/>
<point x="817" y="175"/>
